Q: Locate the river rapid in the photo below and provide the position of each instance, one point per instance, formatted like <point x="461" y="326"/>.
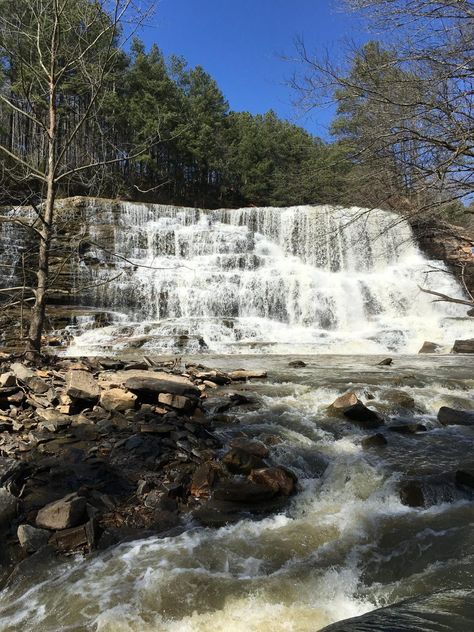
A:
<point x="344" y="546"/>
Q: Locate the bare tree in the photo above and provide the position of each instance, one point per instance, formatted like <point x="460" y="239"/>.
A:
<point x="57" y="59"/>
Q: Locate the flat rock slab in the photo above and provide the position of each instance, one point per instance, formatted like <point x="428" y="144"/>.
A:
<point x="152" y="382"/>
<point x="82" y="386"/>
<point x="62" y="514"/>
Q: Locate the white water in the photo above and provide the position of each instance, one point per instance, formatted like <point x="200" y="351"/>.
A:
<point x="299" y="279"/>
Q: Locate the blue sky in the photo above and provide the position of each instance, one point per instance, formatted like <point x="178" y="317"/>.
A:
<point x="241" y="42"/>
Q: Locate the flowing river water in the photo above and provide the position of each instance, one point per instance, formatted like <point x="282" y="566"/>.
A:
<point x="344" y="546"/>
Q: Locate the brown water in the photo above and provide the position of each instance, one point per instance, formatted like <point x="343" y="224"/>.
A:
<point x="344" y="546"/>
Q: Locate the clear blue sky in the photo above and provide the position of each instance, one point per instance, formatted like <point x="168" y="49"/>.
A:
<point x="241" y="42"/>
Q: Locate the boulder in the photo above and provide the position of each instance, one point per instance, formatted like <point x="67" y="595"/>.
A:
<point x="203" y="480"/>
<point x="431" y="489"/>
<point x="117" y="400"/>
<point x="7" y="379"/>
<point x="8" y="507"/>
<point x="37" y="385"/>
<point x="251" y="446"/>
<point x="242" y="375"/>
<point x="184" y="404"/>
<point x="453" y="417"/>
<point x="465" y="478"/>
<point x="278" y="479"/>
<point x="374" y="441"/>
<point x="21" y="372"/>
<point x="62" y="514"/>
<point x="216" y="377"/>
<point x="407" y="428"/>
<point x="463" y="346"/>
<point x="385" y="362"/>
<point x="240" y="462"/>
<point x="429" y="347"/>
<point x="399" y="400"/>
<point x="242" y="491"/>
<point x="80" y="385"/>
<point x="361" y="414"/>
<point x="149" y="382"/>
<point x="32" y="539"/>
<point x="53" y="420"/>
<point x="81" y="537"/>
<point x="340" y="404"/>
<point x="297" y="364"/>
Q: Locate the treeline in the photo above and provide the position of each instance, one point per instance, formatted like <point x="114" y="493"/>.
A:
<point x="190" y="148"/>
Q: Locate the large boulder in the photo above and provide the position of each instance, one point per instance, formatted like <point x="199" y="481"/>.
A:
<point x="240" y="462"/>
<point x="117" y="400"/>
<point x="278" y="479"/>
<point x="62" y="514"/>
<point x="429" y="347"/>
<point x="453" y="417"/>
<point x="80" y="385"/>
<point x="342" y="403"/>
<point x="32" y="539"/>
<point x="251" y="446"/>
<point x="243" y="491"/>
<point x="463" y="346"/>
<point x="359" y="413"/>
<point x="150" y="382"/>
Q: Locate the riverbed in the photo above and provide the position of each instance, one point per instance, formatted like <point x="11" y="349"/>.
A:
<point x="345" y="545"/>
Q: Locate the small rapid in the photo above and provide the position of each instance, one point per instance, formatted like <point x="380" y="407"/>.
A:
<point x="344" y="546"/>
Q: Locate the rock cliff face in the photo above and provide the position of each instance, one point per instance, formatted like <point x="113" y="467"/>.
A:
<point x="452" y="244"/>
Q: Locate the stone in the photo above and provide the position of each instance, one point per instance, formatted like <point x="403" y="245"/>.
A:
<point x="429" y="490"/>
<point x="242" y="375"/>
<point x="465" y="478"/>
<point x="7" y="380"/>
<point x="216" y="377"/>
<point x="117" y="400"/>
<point x="251" y="446"/>
<point x="374" y="441"/>
<point x="53" y="419"/>
<point x="203" y="480"/>
<point x="8" y="507"/>
<point x="80" y="385"/>
<point x="75" y="538"/>
<point x="241" y="462"/>
<point x="463" y="346"/>
<point x="37" y="385"/>
<point x="21" y="372"/>
<point x="399" y="400"/>
<point x="62" y="514"/>
<point x="385" y="362"/>
<point x="297" y="364"/>
<point x="453" y="417"/>
<point x="149" y="382"/>
<point x="340" y="404"/>
<point x="178" y="402"/>
<point x="32" y="539"/>
<point x="429" y="347"/>
<point x="276" y="478"/>
<point x="361" y="414"/>
<point x="242" y="491"/>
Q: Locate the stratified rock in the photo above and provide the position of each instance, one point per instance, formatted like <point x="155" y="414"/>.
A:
<point x="241" y="462"/>
<point x="374" y="441"/>
<point x="8" y="507"/>
<point x="242" y="374"/>
<point x="80" y="385"/>
<point x="275" y="478"/>
<point x="62" y="514"/>
<point x="185" y="405"/>
<point x="361" y="414"/>
<point x="75" y="538"/>
<point x="463" y="346"/>
<point x="297" y="364"/>
<point x="429" y="347"/>
<point x="32" y="539"/>
<point x="251" y="446"/>
<point x="453" y="417"/>
<point x="117" y="400"/>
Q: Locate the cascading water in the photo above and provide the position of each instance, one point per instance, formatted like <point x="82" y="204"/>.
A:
<point x="299" y="279"/>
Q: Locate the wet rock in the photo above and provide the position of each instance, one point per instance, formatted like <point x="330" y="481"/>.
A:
<point x="203" y="480"/>
<point x="111" y="364"/>
<point x="297" y="364"/>
<point x="81" y="537"/>
<point x="429" y="347"/>
<point x="240" y="462"/>
<point x="242" y="491"/>
<point x="148" y="382"/>
<point x="463" y="346"/>
<point x="340" y="404"/>
<point x="251" y="446"/>
<point x="432" y="489"/>
<point x="80" y="385"/>
<point x="185" y="405"/>
<point x="453" y="417"/>
<point x="399" y="400"/>
<point x="217" y="513"/>
<point x="8" y="507"/>
<point x="242" y="375"/>
<point x="278" y="479"/>
<point x="407" y="428"/>
<point x="374" y="441"/>
<point x="385" y="362"/>
<point x="465" y="478"/>
<point x="117" y="400"/>
<point x="215" y="377"/>
<point x="32" y="539"/>
<point x="361" y="414"/>
<point x="62" y="514"/>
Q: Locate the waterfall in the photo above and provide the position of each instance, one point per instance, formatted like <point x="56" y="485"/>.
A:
<point x="285" y="280"/>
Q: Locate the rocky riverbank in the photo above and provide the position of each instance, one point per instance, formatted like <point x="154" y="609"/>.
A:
<point x="98" y="451"/>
